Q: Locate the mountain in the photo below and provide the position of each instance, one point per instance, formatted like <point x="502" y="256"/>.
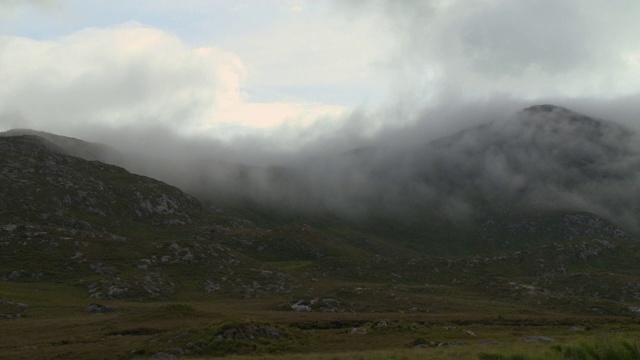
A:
<point x="542" y="166"/>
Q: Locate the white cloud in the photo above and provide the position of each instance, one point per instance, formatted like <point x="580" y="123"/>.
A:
<point x="131" y="74"/>
<point x="316" y="48"/>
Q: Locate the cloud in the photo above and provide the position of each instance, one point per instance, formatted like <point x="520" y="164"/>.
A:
<point x="316" y="52"/>
<point x="521" y="49"/>
<point x="132" y="74"/>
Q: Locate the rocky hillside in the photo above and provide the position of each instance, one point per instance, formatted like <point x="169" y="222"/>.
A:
<point x="40" y="183"/>
<point x="121" y="235"/>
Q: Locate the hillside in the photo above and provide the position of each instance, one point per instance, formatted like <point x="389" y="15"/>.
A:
<point x="74" y="231"/>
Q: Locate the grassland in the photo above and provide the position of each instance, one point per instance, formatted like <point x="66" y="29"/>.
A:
<point x="199" y="326"/>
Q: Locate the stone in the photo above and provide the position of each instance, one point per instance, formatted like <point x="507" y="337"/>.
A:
<point x="358" y="331"/>
<point x="381" y="324"/>
<point x="300" y="308"/>
<point x="100" y="309"/>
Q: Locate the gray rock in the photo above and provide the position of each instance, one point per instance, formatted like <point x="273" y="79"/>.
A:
<point x="301" y="306"/>
<point x="358" y="331"/>
<point x="210" y="286"/>
<point x="9" y="227"/>
<point x="15" y="275"/>
<point x="176" y="352"/>
<point x="100" y="309"/>
<point x="331" y="302"/>
<point x="381" y="324"/>
<point x="163" y="355"/>
<point x="12" y="310"/>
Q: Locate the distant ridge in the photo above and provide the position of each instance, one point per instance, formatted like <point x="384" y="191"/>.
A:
<point x="72" y="146"/>
<point x="545" y="108"/>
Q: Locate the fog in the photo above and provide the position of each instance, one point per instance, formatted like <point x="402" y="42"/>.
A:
<point x="459" y="163"/>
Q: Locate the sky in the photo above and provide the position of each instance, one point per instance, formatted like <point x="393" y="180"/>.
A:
<point x="284" y="75"/>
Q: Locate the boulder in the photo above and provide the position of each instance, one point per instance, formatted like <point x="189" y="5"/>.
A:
<point x="100" y="309"/>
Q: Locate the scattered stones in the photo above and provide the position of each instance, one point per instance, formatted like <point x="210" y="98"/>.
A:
<point x="9" y="227"/>
<point x="12" y="309"/>
<point x="151" y="285"/>
<point x="210" y="286"/>
<point x="102" y="269"/>
<point x="635" y="310"/>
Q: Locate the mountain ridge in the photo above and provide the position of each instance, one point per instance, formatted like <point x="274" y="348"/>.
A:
<point x="543" y="158"/>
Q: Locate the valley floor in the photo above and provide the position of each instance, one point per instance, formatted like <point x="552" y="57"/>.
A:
<point x="56" y="324"/>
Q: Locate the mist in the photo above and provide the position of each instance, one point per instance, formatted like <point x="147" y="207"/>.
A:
<point x="454" y="162"/>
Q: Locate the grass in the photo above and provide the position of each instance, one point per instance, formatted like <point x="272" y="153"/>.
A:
<point x="598" y="349"/>
<point x="55" y="326"/>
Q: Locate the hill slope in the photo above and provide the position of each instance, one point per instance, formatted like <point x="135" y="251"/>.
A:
<point x="73" y="232"/>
